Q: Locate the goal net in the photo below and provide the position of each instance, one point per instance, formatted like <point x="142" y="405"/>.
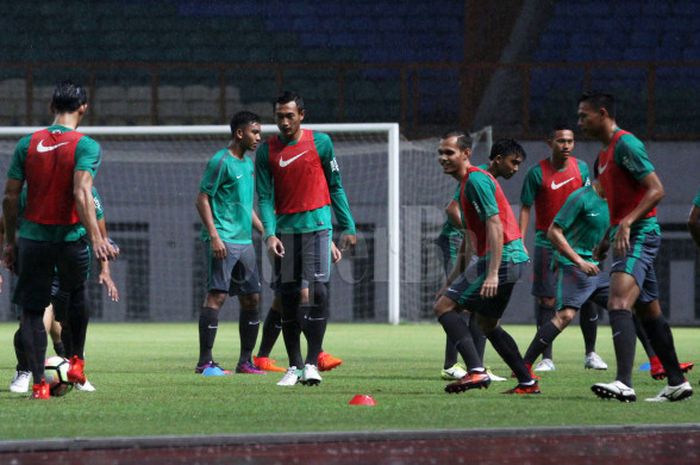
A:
<point x="149" y="180"/>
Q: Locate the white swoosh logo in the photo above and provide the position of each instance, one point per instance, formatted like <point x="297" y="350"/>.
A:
<point x="289" y="161"/>
<point x="239" y="176"/>
<point x="601" y="168"/>
<point x="41" y="148"/>
<point x="593" y="214"/>
<point x="556" y="186"/>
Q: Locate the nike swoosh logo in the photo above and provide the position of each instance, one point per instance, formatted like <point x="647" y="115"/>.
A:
<point x="41" y="148"/>
<point x="593" y="214"/>
<point x="239" y="176"/>
<point x="617" y="333"/>
<point x="601" y="168"/>
<point x="556" y="186"/>
<point x="289" y="161"/>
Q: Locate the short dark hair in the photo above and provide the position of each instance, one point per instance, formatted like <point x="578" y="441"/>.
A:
<point x="243" y="119"/>
<point x="507" y="147"/>
<point x="599" y="100"/>
<point x="68" y="97"/>
<point x="464" y="140"/>
<point x="287" y="97"/>
<point x="560" y="126"/>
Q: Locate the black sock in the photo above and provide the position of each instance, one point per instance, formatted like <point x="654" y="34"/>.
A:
<point x="79" y="316"/>
<point x="458" y="333"/>
<point x="34" y="341"/>
<point x="508" y="350"/>
<point x="270" y="332"/>
<point x="59" y="349"/>
<point x="543" y="339"/>
<point x="478" y="336"/>
<point x="315" y="331"/>
<point x="661" y="339"/>
<point x="588" y="319"/>
<point x="643" y="338"/>
<point x="208" y="324"/>
<point x="545" y="314"/>
<point x="248" y="326"/>
<point x="450" y="353"/>
<point x="20" y="352"/>
<point x="624" y="341"/>
<point x="61" y="301"/>
<point x="291" y="328"/>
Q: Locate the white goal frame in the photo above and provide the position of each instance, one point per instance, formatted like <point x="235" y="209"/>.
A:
<point x="393" y="168"/>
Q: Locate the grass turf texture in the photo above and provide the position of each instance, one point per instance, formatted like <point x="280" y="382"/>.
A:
<point x="144" y="375"/>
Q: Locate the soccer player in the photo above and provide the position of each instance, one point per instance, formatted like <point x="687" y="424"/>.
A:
<point x="20" y="381"/>
<point x="225" y="205"/>
<point x="575" y="231"/>
<point x="482" y="287"/>
<point x="694" y="220"/>
<point x="58" y="164"/>
<point x="273" y="326"/>
<point x="504" y="161"/>
<point x="297" y="181"/>
<point x="633" y="191"/>
<point x="547" y="186"/>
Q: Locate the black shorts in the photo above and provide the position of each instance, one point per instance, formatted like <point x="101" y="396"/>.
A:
<point x="307" y="259"/>
<point x="39" y="262"/>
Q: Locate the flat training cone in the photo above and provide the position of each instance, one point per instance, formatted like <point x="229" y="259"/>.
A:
<point x="362" y="399"/>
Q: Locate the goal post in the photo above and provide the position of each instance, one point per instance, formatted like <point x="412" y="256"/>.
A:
<point x="155" y="169"/>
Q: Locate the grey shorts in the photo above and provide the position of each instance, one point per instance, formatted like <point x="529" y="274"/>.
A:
<point x="237" y="273"/>
<point x="575" y="288"/>
<point x="307" y="259"/>
<point x="544" y="278"/>
<point x="639" y="262"/>
<point x="466" y="289"/>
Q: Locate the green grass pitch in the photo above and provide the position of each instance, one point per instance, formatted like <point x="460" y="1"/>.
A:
<point x="146" y="386"/>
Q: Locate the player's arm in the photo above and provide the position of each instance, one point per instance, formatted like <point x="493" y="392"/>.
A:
<point x="524" y="220"/>
<point x="257" y="224"/>
<point x="85" y="205"/>
<point x="694" y="224"/>
<point x="555" y="234"/>
<point x="454" y="214"/>
<point x="339" y="201"/>
<point x="336" y="254"/>
<point x="105" y="276"/>
<point x="218" y="249"/>
<point x="10" y="208"/>
<point x="494" y="237"/>
<point x="264" y="187"/>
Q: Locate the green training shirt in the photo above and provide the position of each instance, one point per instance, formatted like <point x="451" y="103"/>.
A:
<point x="532" y="186"/>
<point x="87" y="158"/>
<point x="230" y="184"/>
<point x="306" y="221"/>
<point x="583" y="218"/>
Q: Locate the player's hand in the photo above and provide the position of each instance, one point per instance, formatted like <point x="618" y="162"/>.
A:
<point x="622" y="239"/>
<point x="347" y="242"/>
<point x="104" y="250"/>
<point x="336" y="254"/>
<point x="105" y="278"/>
<point x="218" y="248"/>
<point x="275" y="246"/>
<point x="591" y="269"/>
<point x="441" y="291"/>
<point x="601" y="250"/>
<point x="8" y="256"/>
<point x="490" y="287"/>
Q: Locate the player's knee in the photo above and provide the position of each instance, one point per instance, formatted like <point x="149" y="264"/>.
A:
<point x="547" y="302"/>
<point x="486" y="324"/>
<point x="564" y="317"/>
<point x="619" y="302"/>
<point x="249" y="301"/>
<point x="443" y="305"/>
<point x="215" y="299"/>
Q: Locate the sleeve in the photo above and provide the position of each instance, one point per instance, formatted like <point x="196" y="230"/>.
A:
<point x="570" y="210"/>
<point x="264" y="187"/>
<point x="99" y="211"/>
<point x="697" y="200"/>
<point x="16" y="169"/>
<point x="339" y="200"/>
<point x="212" y="175"/>
<point x="632" y="156"/>
<point x="531" y="186"/>
<point x="88" y="156"/>
<point x="585" y="172"/>
<point x="481" y="193"/>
